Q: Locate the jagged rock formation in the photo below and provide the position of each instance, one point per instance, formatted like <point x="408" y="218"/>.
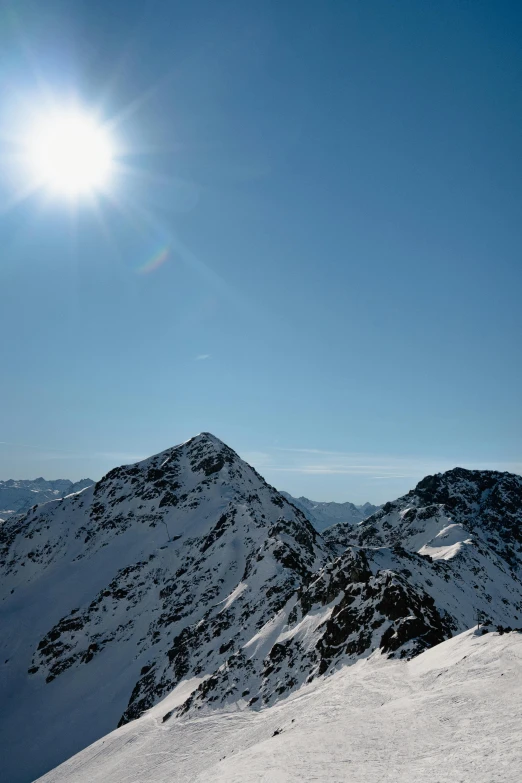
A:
<point x="441" y="513"/>
<point x="352" y="608"/>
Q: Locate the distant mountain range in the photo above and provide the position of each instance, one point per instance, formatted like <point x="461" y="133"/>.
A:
<point x="324" y="514"/>
<point x="17" y="497"/>
<point x="188" y="585"/>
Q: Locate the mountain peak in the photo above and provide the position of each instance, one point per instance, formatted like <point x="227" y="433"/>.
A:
<point x="469" y="490"/>
<point x="160" y="572"/>
<point x="207" y="437"/>
<point x="457" y="475"/>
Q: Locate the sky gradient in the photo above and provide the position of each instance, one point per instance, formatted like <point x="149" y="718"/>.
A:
<point x="313" y="249"/>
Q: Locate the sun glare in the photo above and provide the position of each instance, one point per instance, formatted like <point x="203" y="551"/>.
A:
<point x="70" y="153"/>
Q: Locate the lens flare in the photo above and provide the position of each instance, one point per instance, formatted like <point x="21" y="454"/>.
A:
<point x="155" y="262"/>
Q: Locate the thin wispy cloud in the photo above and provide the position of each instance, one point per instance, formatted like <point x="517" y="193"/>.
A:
<point x="257" y="458"/>
<point x="201" y="357"/>
<point x="389" y="476"/>
<point x="317" y="451"/>
<point x="378" y="467"/>
<point x="53" y="453"/>
<point x="34" y="448"/>
<point x="120" y="457"/>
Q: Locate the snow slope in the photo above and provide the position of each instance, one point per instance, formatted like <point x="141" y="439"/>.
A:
<point x="450" y="715"/>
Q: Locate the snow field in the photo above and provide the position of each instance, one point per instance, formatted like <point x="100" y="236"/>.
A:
<point x="451" y="715"/>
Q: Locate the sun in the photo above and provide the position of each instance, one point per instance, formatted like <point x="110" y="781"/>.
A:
<point x="70" y="153"/>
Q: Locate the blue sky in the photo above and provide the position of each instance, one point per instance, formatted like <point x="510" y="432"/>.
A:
<point x="335" y="189"/>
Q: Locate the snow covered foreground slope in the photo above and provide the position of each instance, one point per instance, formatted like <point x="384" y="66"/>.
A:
<point x="451" y="715"/>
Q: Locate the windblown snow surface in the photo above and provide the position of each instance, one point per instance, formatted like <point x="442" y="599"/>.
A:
<point x="452" y="715"/>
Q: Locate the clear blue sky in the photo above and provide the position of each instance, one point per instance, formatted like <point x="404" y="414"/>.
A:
<point x="337" y="187"/>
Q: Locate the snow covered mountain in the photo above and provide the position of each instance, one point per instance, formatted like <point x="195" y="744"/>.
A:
<point x="450" y="714"/>
<point x="17" y="497"/>
<point x="367" y="509"/>
<point x="110" y="597"/>
<point x="443" y="513"/>
<point x="413" y="575"/>
<point x="322" y="515"/>
<point x="187" y="585"/>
